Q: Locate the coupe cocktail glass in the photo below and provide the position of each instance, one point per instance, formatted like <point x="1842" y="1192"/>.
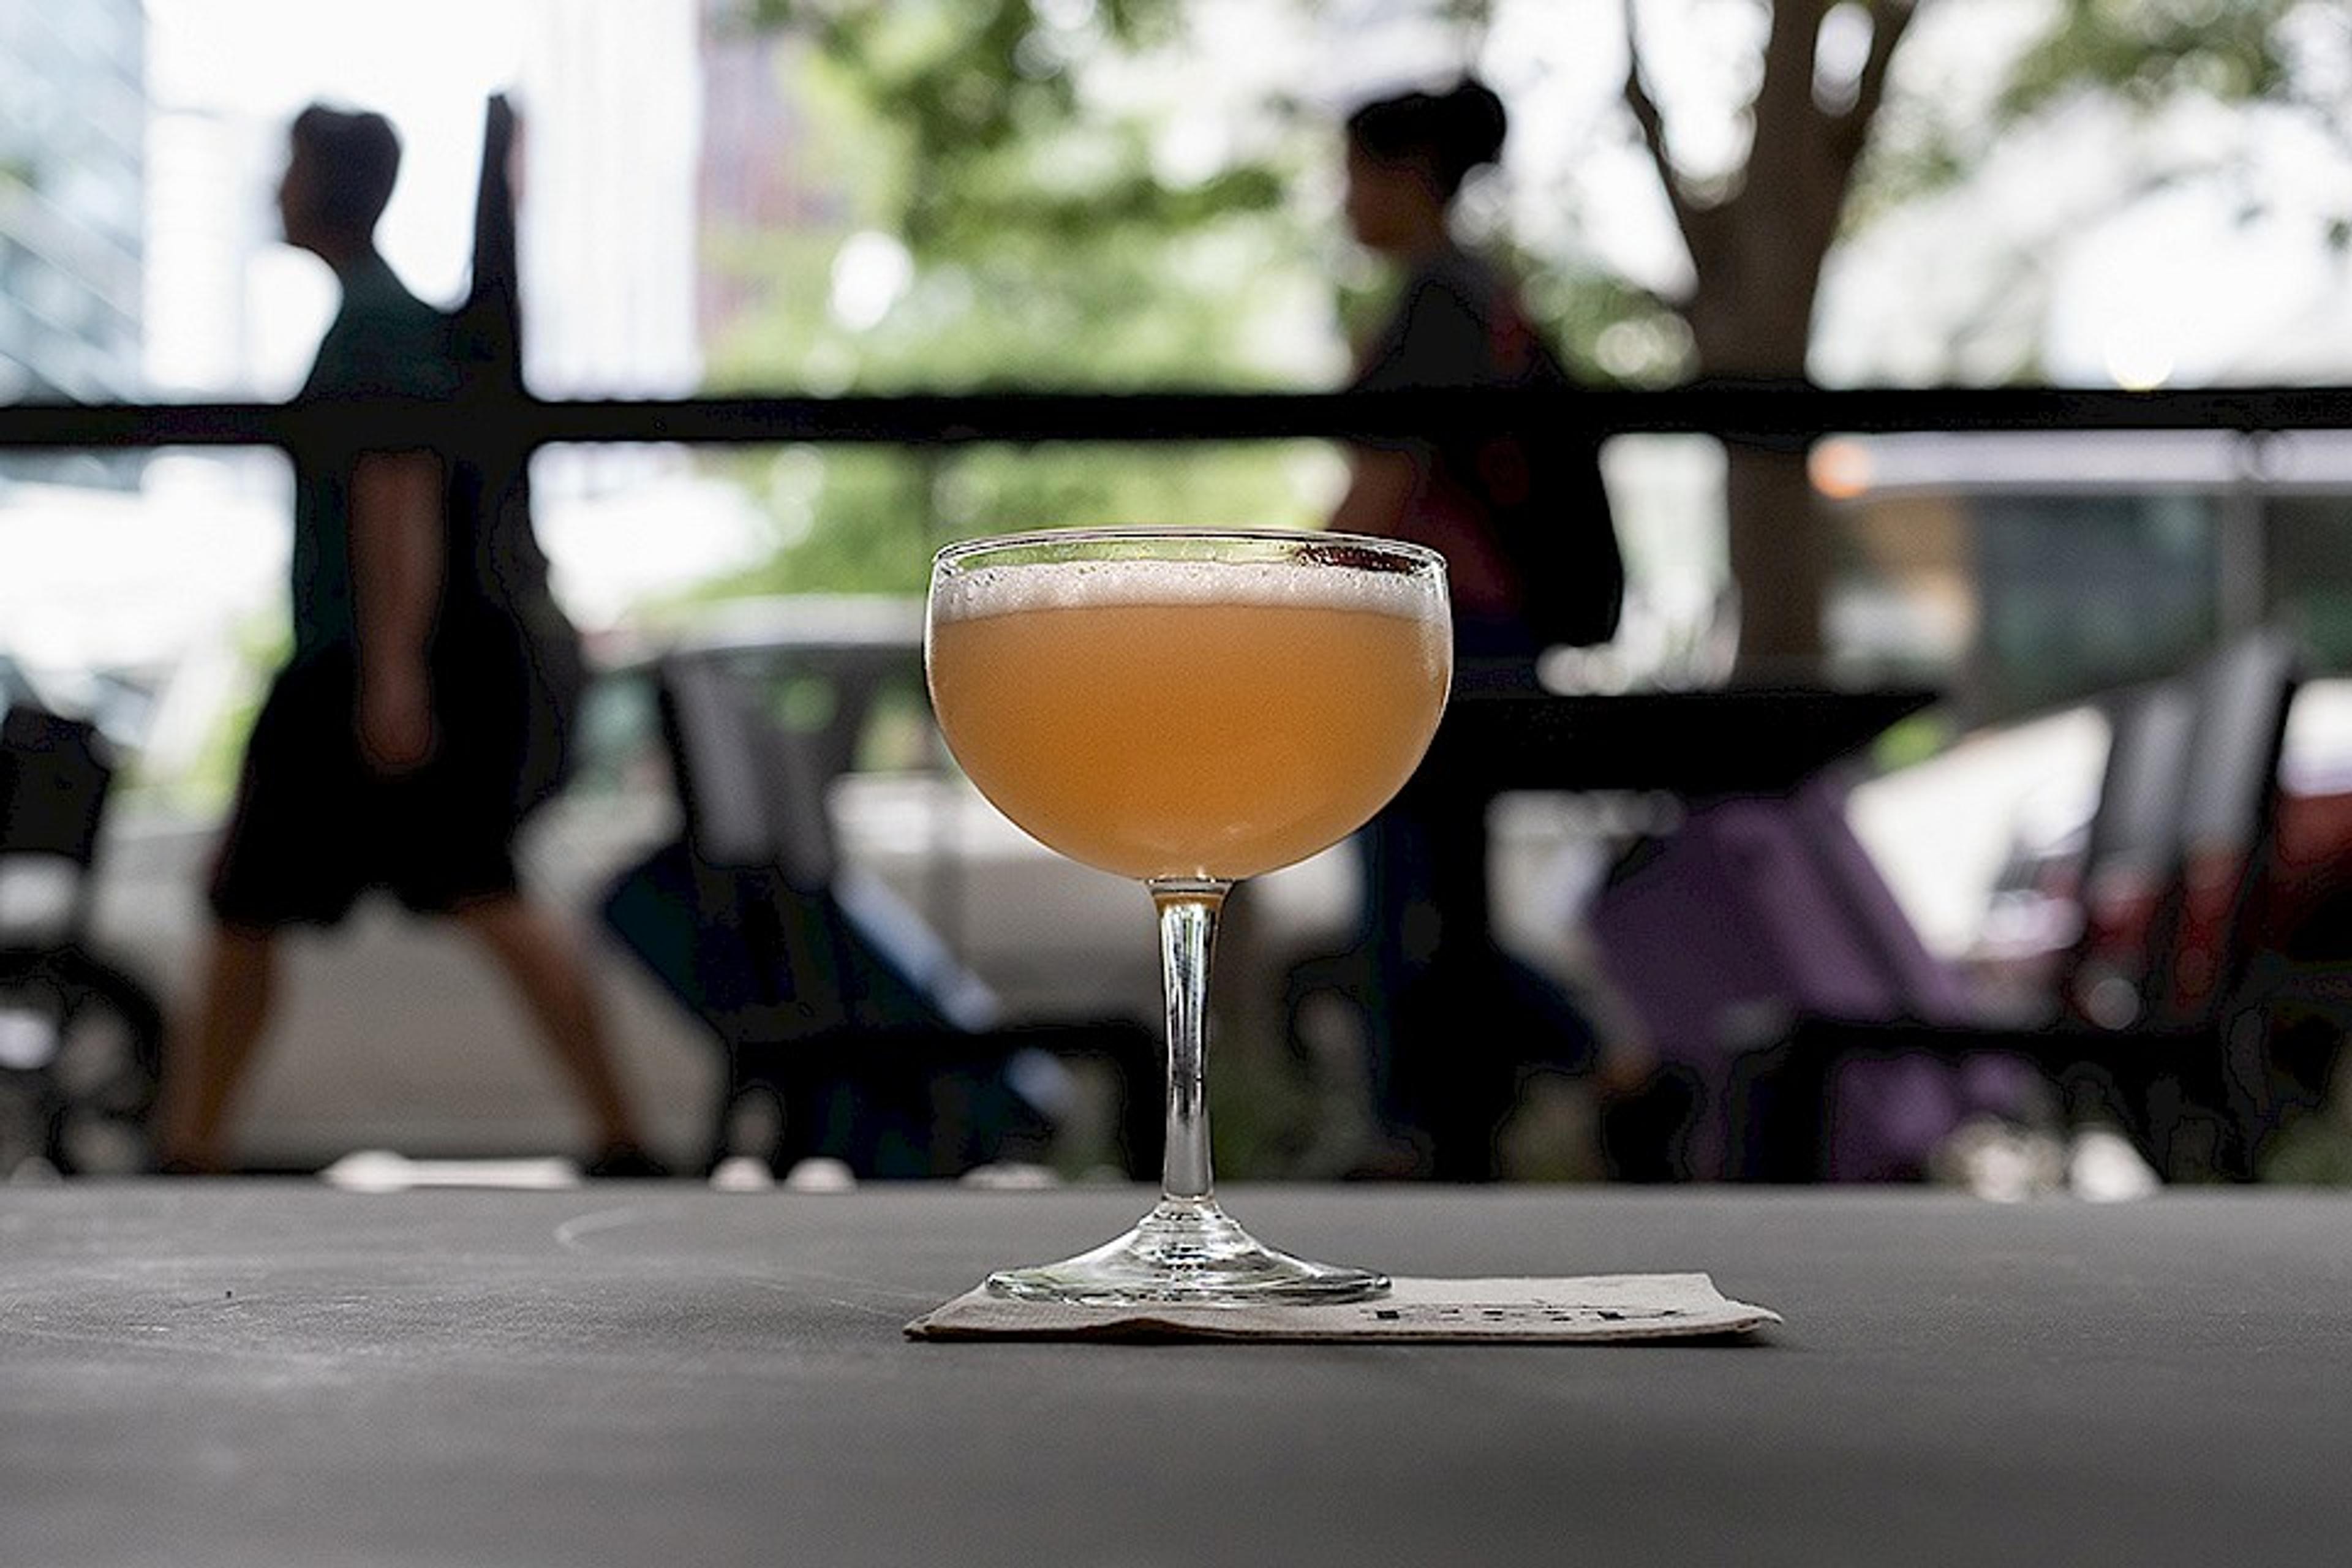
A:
<point x="1188" y="709"/>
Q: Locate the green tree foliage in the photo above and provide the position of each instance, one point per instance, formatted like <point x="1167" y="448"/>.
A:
<point x="1007" y="230"/>
<point x="2150" y="51"/>
<point x="2144" y="56"/>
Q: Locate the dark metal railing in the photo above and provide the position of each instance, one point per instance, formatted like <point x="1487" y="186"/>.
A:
<point x="1772" y="414"/>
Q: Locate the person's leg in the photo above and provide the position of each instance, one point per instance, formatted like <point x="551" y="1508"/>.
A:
<point x="211" y="1047"/>
<point x="277" y="866"/>
<point x="1399" y="936"/>
<point x="538" y="957"/>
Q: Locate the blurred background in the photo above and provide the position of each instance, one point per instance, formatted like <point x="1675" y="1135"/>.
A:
<point x="829" y="196"/>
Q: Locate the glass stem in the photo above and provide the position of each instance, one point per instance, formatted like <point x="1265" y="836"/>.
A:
<point x="1188" y="930"/>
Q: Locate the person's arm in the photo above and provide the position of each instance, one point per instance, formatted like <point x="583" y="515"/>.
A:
<point x="1380" y="488"/>
<point x="1434" y="340"/>
<point x="396" y="570"/>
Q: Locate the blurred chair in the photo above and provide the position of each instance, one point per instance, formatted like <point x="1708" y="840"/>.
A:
<point x="81" y="1039"/>
<point x="2156" y="1025"/>
<point x="829" y="996"/>
<point x="1755" y="911"/>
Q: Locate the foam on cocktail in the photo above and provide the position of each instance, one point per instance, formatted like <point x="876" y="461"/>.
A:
<point x="1100" y="584"/>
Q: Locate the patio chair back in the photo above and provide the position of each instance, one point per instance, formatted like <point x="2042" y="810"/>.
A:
<point x="751" y="798"/>
<point x="55" y="773"/>
<point x="2132" y="855"/>
<point x="80" y="1036"/>
<point x="2177" y="858"/>
<point x="826" y="993"/>
<point x="2227" y="820"/>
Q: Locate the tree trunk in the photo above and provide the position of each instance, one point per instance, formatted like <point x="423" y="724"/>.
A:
<point x="1779" y="556"/>
<point x="1780" y="561"/>
<point x="1751" y="318"/>
<point x="1758" y="257"/>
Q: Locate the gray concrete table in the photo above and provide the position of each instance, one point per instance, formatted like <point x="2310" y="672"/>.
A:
<point x="261" y="1373"/>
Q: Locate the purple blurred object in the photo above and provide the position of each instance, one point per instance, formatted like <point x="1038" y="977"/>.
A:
<point x="1758" y="910"/>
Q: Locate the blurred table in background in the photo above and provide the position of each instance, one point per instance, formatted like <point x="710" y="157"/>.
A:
<point x="266" y="1373"/>
<point x="1730" y="740"/>
<point x="1694" y="746"/>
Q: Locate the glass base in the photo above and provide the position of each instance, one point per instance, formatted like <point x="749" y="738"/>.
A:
<point x="1190" y="1253"/>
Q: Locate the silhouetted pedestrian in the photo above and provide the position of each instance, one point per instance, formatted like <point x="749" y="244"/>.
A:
<point x="407" y="735"/>
<point x="1524" y="524"/>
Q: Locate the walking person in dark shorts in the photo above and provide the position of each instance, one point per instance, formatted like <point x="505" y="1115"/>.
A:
<point x="393" y="749"/>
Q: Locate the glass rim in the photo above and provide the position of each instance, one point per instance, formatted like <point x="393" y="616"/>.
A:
<point x="951" y="556"/>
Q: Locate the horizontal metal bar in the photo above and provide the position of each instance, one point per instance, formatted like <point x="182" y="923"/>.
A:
<point x="1774" y="413"/>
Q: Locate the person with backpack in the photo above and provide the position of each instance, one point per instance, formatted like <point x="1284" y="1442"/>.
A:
<point x="419" y="715"/>
<point x="1523" y="522"/>
<point x="1518" y="513"/>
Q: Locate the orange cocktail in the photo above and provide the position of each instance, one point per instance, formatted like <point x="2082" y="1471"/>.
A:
<point x="1188" y="709"/>
<point x="1186" y="717"/>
